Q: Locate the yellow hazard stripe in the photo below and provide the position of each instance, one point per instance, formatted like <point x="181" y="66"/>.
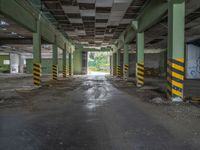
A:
<point x="140" y="82"/>
<point x="37" y="77"/>
<point x="36" y="72"/>
<point x="181" y="60"/>
<point x="177" y="84"/>
<point x="177" y="92"/>
<point x="142" y="68"/>
<point x="140" y="77"/>
<point x="38" y="68"/>
<point x="178" y="76"/>
<point x="140" y="72"/>
<point x="178" y="67"/>
<point x="36" y="81"/>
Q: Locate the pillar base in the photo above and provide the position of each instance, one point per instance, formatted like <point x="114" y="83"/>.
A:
<point x="37" y="74"/>
<point x="139" y="85"/>
<point x="125" y="72"/>
<point x="54" y="72"/>
<point x="177" y="99"/>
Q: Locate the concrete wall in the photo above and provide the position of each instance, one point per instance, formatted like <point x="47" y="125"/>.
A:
<point x="22" y="64"/>
<point x="192" y="62"/>
<point x="46" y="66"/>
<point x="77" y="62"/>
<point x="14" y="63"/>
<point x="4" y="63"/>
<point x="84" y="62"/>
<point x="151" y="61"/>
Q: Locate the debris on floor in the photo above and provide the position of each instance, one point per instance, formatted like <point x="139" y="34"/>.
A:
<point x="154" y="72"/>
<point x="193" y="99"/>
<point x="157" y="100"/>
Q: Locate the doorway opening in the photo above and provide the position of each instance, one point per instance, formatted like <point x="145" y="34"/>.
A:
<point x="98" y="63"/>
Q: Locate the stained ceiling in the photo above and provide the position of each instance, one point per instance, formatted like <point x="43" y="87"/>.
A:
<point x="94" y="22"/>
<point x="100" y="22"/>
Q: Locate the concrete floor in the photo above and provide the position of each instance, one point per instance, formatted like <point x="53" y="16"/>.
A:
<point x="94" y="113"/>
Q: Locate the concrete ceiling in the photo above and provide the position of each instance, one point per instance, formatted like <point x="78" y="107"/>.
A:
<point x="156" y="36"/>
<point x="94" y="22"/>
<point x="100" y="22"/>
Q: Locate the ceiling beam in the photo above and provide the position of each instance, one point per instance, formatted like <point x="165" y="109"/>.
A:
<point x="151" y="14"/>
<point x="20" y="41"/>
<point x="23" y="13"/>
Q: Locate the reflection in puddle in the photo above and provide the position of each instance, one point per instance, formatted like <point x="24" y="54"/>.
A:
<point x="97" y="95"/>
<point x="91" y="106"/>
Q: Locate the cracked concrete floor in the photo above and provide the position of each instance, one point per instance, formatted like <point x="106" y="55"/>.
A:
<point x="89" y="113"/>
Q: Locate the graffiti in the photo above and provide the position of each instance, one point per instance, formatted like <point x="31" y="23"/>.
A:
<point x="198" y="65"/>
<point x="194" y="69"/>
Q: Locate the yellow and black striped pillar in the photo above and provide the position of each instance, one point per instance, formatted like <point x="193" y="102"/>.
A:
<point x="119" y="71"/>
<point x="36" y="74"/>
<point x="54" y="72"/>
<point x="125" y="71"/>
<point x="140" y="74"/>
<point x="64" y="71"/>
<point x="175" y="77"/>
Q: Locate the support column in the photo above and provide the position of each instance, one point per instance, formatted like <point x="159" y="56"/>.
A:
<point x="118" y="64"/>
<point x="140" y="60"/>
<point x="111" y="64"/>
<point x="163" y="64"/>
<point x="64" y="64"/>
<point x="114" y="64"/>
<point x="176" y="67"/>
<point x="55" y="62"/>
<point x="70" y="64"/>
<point x="37" y="55"/>
<point x="126" y="62"/>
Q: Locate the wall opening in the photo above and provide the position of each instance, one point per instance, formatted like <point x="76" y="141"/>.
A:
<point x="98" y="63"/>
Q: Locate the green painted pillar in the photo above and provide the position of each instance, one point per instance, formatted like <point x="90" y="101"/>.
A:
<point x="111" y="63"/>
<point x="70" y="64"/>
<point x="114" y="64"/>
<point x="118" y="63"/>
<point x="37" y="55"/>
<point x="163" y="64"/>
<point x="55" y="62"/>
<point x="64" y="63"/>
<point x="126" y="62"/>
<point x="176" y="46"/>
<point x="140" y="60"/>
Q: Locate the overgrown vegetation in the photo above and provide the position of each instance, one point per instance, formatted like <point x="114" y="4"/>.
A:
<point x="99" y="61"/>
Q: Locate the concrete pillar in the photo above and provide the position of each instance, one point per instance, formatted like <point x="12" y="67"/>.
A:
<point x="163" y="64"/>
<point x="126" y="62"/>
<point x="37" y="55"/>
<point x="175" y="70"/>
<point x="140" y="60"/>
<point x="118" y="63"/>
<point x="64" y="63"/>
<point x="55" y="62"/>
<point x="114" y="67"/>
<point x="70" y="64"/>
<point x="111" y="64"/>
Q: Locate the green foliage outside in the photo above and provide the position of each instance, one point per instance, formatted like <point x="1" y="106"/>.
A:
<point x="99" y="61"/>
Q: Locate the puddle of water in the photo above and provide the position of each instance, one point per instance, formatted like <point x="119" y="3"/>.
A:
<point x="91" y="106"/>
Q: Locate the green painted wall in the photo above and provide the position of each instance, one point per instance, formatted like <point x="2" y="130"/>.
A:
<point x="46" y="66"/>
<point x="4" y="68"/>
<point x="77" y="62"/>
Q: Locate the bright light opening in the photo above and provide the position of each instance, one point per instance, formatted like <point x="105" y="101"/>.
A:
<point x="98" y="63"/>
